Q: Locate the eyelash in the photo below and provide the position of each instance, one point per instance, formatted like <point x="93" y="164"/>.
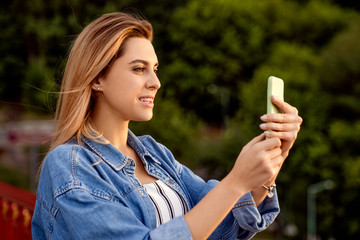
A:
<point x="141" y="70"/>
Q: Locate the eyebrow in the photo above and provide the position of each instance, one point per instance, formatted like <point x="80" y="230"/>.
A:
<point x="142" y="61"/>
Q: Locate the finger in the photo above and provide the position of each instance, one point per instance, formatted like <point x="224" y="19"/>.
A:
<point x="256" y="139"/>
<point x="281" y="118"/>
<point x="268" y="144"/>
<point x="284" y="106"/>
<point x="277" y="162"/>
<point x="280" y="127"/>
<point x="274" y="152"/>
<point x="286" y="136"/>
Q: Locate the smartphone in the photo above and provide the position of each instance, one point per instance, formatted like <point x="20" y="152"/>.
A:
<point x="275" y="87"/>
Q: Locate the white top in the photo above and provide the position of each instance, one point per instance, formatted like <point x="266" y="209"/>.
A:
<point x="167" y="202"/>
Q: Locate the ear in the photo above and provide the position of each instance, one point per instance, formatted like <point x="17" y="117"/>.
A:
<point x="96" y="85"/>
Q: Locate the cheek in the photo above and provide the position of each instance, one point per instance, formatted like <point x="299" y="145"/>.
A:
<point x="114" y="88"/>
<point x="122" y="86"/>
<point x="121" y="95"/>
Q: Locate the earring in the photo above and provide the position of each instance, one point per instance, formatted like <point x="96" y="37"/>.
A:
<point x="98" y="88"/>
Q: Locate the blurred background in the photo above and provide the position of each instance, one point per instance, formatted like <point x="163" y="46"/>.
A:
<point x="215" y="57"/>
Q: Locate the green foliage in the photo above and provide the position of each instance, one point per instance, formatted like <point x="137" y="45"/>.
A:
<point x="223" y="42"/>
<point x="36" y="36"/>
<point x="173" y="127"/>
<point x="237" y="46"/>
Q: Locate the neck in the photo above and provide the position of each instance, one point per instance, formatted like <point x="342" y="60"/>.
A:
<point x="117" y="136"/>
<point x="116" y="132"/>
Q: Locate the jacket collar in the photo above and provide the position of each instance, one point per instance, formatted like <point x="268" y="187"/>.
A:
<point x="112" y="156"/>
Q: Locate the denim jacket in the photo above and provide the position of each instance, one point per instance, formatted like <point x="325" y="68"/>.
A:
<point x="90" y="191"/>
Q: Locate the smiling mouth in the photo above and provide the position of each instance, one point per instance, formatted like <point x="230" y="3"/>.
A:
<point x="146" y="100"/>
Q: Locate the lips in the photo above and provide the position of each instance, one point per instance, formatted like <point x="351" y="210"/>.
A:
<point x="148" y="101"/>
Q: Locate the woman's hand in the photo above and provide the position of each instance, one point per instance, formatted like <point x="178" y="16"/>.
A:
<point x="258" y="162"/>
<point x="284" y="126"/>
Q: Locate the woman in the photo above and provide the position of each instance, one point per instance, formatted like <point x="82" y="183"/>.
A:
<point x="100" y="181"/>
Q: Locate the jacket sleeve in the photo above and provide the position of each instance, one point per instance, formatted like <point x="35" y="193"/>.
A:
<point x="245" y="219"/>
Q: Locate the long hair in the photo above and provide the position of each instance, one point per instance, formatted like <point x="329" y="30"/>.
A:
<point x="91" y="55"/>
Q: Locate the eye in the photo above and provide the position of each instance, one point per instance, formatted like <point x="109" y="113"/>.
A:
<point x="139" y="69"/>
<point x="156" y="71"/>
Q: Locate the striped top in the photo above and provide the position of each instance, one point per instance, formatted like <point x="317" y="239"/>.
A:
<point x="168" y="203"/>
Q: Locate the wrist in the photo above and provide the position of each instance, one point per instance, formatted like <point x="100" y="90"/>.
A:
<point x="270" y="189"/>
<point x="233" y="185"/>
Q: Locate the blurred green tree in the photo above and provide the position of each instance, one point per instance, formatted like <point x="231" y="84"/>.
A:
<point x="339" y="78"/>
<point x="221" y="43"/>
<point x="36" y="36"/>
<point x="236" y="46"/>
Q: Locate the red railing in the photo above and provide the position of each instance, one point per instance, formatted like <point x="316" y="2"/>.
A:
<point x="16" y="209"/>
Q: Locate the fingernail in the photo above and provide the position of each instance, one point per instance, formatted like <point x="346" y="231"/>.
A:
<point x="263" y="117"/>
<point x="263" y="125"/>
<point x="267" y="133"/>
<point x="275" y="97"/>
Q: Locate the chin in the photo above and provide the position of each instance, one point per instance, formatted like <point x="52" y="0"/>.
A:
<point x="144" y="118"/>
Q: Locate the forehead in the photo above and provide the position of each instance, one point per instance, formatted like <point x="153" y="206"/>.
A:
<point x="139" y="48"/>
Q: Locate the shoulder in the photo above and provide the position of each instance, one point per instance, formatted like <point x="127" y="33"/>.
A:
<point x="69" y="151"/>
<point x="67" y="154"/>
<point x="69" y="169"/>
<point x="63" y="165"/>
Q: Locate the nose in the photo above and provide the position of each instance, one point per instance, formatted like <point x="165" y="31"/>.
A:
<point x="153" y="82"/>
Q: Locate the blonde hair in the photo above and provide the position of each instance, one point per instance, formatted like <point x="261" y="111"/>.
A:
<point x="92" y="54"/>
